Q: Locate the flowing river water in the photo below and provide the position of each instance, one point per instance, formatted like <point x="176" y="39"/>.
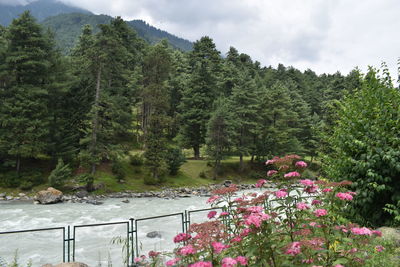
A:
<point x="93" y="244"/>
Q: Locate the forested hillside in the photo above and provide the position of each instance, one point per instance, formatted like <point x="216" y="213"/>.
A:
<point x="67" y="28"/>
<point x="115" y="92"/>
<point x="39" y="9"/>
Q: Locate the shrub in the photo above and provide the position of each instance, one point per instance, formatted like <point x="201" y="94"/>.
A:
<point x="174" y="159"/>
<point x="300" y="223"/>
<point x="149" y="180"/>
<point x="60" y="174"/>
<point x="136" y="160"/>
<point x="10" y="179"/>
<point x="26" y="185"/>
<point x="365" y="149"/>
<point x="118" y="169"/>
<point x="203" y="175"/>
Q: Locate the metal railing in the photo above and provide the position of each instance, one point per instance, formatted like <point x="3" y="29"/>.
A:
<point x="70" y="233"/>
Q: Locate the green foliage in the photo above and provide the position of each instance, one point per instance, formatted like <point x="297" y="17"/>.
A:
<point x="118" y="169"/>
<point x="10" y="179"/>
<point x="136" y="160"/>
<point x="365" y="148"/>
<point x="60" y="174"/>
<point x="174" y="159"/>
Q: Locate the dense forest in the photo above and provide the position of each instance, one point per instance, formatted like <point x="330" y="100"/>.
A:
<point x="114" y="89"/>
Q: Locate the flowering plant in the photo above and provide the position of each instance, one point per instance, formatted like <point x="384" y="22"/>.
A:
<point x="292" y="222"/>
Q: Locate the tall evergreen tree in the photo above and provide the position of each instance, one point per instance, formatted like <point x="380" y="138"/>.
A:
<point x="220" y="133"/>
<point x="197" y="99"/>
<point x="24" y="114"/>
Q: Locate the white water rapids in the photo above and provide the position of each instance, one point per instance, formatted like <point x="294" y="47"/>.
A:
<point x="93" y="244"/>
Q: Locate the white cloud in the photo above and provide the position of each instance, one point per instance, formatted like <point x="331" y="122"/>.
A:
<point x="324" y="35"/>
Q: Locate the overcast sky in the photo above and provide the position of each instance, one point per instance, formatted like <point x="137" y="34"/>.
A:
<point x="323" y="35"/>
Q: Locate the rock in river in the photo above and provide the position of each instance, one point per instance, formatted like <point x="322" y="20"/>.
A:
<point x="49" y="196"/>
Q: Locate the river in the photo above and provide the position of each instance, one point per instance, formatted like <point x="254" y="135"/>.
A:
<point x="93" y="244"/>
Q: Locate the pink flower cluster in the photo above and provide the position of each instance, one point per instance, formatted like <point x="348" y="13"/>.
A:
<point x="320" y="212"/>
<point x="231" y="262"/>
<point x="302" y="206"/>
<point x="187" y="250"/>
<point x="182" y="237"/>
<point x="293" y="249"/>
<point x="172" y="262"/>
<point x="201" y="264"/>
<point x="219" y="247"/>
<point x="346" y="196"/>
<point x="211" y="214"/>
<point x="280" y="193"/>
<point x="292" y="174"/>
<point x="260" y="183"/>
<point x="361" y="231"/>
<point x="271" y="172"/>
<point x="301" y="164"/>
<point x="212" y="199"/>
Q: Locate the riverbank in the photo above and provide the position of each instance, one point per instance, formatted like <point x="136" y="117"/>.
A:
<point x="82" y="196"/>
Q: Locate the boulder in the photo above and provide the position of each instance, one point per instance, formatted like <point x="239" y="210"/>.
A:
<point x="154" y="234"/>
<point x="49" y="196"/>
<point x="392" y="234"/>
<point x="82" y="194"/>
<point x="227" y="183"/>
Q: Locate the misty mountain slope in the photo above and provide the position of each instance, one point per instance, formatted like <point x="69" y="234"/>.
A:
<point x="67" y="28"/>
<point x="39" y="9"/>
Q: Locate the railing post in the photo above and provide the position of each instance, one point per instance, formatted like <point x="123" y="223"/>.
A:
<point x="130" y="242"/>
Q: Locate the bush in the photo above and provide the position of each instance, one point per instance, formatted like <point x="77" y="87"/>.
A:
<point x="26" y="185"/>
<point x="60" y="174"/>
<point x="118" y="169"/>
<point x="174" y="159"/>
<point x="203" y="175"/>
<point x="10" y="179"/>
<point x="149" y="180"/>
<point x="305" y="226"/>
<point x="365" y="149"/>
<point x="136" y="160"/>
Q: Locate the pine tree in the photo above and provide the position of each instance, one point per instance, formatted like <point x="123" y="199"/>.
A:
<point x="24" y="114"/>
<point x="220" y="134"/>
<point x="198" y="97"/>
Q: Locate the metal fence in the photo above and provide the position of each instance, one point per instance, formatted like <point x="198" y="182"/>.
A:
<point x="131" y="243"/>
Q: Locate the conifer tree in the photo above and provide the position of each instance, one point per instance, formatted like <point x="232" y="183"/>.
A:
<point x="24" y="114"/>
<point x="220" y="134"/>
<point x="197" y="99"/>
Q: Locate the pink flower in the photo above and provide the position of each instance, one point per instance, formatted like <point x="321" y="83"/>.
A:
<point x="293" y="249"/>
<point x="253" y="220"/>
<point x="301" y="164"/>
<point x="327" y="190"/>
<point x="211" y="214"/>
<point x="182" y="237"/>
<point x="224" y="213"/>
<point x="241" y="260"/>
<point x="245" y="232"/>
<point x="338" y="265"/>
<point x="201" y="264"/>
<point x="302" y="206"/>
<point x="271" y="172"/>
<point x="219" y="247"/>
<point x="307" y="182"/>
<point x="345" y="196"/>
<point x="172" y="262"/>
<point x="187" y="250"/>
<point x="361" y="231"/>
<point x="260" y="183"/>
<point x="312" y="224"/>
<point x="379" y="248"/>
<point x="139" y="259"/>
<point x="311" y="189"/>
<point x="291" y="174"/>
<point x="154" y="254"/>
<point x="280" y="193"/>
<point x="316" y="202"/>
<point x="255" y="209"/>
<point x="320" y="212"/>
<point x="377" y="233"/>
<point x="236" y="239"/>
<point x="228" y="262"/>
<point x="270" y="161"/>
<point x="212" y="199"/>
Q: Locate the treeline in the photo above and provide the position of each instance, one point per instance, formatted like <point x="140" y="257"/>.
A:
<point x="115" y="89"/>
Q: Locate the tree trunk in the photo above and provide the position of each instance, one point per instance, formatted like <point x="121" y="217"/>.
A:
<point x="216" y="168"/>
<point x="252" y="159"/>
<point x="241" y="165"/>
<point x="18" y="164"/>
<point x="196" y="150"/>
<point x="95" y="120"/>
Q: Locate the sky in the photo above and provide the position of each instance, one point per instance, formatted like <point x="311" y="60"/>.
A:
<point x="322" y="35"/>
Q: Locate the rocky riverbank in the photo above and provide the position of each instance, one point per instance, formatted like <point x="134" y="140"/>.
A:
<point x="82" y="196"/>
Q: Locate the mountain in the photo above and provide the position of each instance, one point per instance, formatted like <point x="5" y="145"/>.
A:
<point x="39" y="9"/>
<point x="67" y="22"/>
<point x="67" y="28"/>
